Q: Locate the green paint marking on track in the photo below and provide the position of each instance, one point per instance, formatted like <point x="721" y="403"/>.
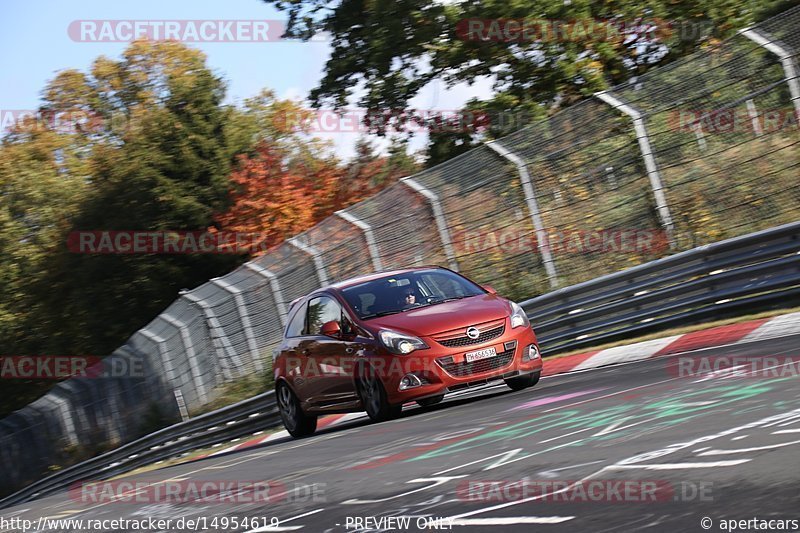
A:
<point x="640" y="417"/>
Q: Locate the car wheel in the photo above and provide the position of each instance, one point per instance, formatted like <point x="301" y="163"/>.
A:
<point x="296" y="422"/>
<point x="373" y="398"/>
<point x="523" y="382"/>
<point x="433" y="400"/>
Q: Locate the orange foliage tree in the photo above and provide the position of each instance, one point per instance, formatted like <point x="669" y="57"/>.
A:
<point x="279" y="194"/>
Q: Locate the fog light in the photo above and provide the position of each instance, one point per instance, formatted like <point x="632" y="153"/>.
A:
<point x="531" y="353"/>
<point x="409" y="381"/>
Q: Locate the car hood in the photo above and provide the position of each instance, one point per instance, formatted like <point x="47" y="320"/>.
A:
<point x="432" y="319"/>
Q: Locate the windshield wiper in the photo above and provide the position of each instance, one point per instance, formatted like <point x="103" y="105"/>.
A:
<point x="443" y="300"/>
<point x="382" y="313"/>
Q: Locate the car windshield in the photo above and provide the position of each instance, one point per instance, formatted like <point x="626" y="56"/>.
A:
<point x="403" y="292"/>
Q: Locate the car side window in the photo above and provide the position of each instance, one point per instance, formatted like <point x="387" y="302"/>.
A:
<point x="320" y="310"/>
<point x="297" y="323"/>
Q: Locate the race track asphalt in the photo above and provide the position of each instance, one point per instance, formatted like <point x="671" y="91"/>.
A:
<point x="656" y="445"/>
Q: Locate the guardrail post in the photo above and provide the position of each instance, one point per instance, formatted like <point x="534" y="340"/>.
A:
<point x="224" y="351"/>
<point x="183" y="329"/>
<point x="316" y="256"/>
<point x="786" y="59"/>
<point x="244" y="318"/>
<point x="542" y="239"/>
<point x="368" y="235"/>
<point x="649" y="160"/>
<point x="275" y="286"/>
<point x="438" y="215"/>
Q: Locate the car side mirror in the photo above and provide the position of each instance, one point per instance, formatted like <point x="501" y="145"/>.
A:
<point x="489" y="289"/>
<point x="331" y="328"/>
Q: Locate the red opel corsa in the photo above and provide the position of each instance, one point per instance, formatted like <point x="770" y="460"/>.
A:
<point x="376" y="342"/>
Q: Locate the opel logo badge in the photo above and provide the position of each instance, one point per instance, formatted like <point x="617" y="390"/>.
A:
<point x="473" y="332"/>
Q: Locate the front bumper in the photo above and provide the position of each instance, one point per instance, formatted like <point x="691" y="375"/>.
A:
<point x="454" y="373"/>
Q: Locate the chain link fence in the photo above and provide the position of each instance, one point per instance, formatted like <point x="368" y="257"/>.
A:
<point x="700" y="150"/>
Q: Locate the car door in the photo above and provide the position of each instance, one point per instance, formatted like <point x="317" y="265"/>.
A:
<point x="293" y="359"/>
<point x="327" y="378"/>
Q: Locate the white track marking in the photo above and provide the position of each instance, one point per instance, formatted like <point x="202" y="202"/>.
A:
<point x="564" y="435"/>
<point x="284" y="528"/>
<point x="679" y="466"/>
<point x="746" y="450"/>
<point x="779" y="326"/>
<point x="504" y="455"/>
<point x="624" y="354"/>
<point x="436" y="482"/>
<point x="634" y="460"/>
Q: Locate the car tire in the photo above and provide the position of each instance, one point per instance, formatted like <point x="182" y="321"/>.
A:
<point x="296" y="422"/>
<point x="523" y="382"/>
<point x="428" y="402"/>
<point x="374" y="400"/>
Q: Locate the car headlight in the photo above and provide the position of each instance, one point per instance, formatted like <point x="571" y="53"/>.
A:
<point x="400" y="343"/>
<point x="518" y="317"/>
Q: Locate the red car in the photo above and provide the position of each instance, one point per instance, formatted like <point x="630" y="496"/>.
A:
<point x="376" y="342"/>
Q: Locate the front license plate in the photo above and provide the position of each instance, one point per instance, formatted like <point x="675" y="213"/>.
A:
<point x="486" y="353"/>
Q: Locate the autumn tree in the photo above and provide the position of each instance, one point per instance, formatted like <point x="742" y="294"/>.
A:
<point x="280" y="192"/>
<point x="273" y="195"/>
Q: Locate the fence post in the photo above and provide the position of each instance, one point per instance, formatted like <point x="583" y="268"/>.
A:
<point x="438" y="215"/>
<point x="368" y="235"/>
<point x="275" y="286"/>
<point x="697" y="128"/>
<point x="542" y="239"/>
<point x="224" y="349"/>
<point x="316" y="256"/>
<point x="159" y="342"/>
<point x="63" y="408"/>
<point x="752" y="112"/>
<point x="244" y="318"/>
<point x="183" y="329"/>
<point x="649" y="160"/>
<point x="785" y="57"/>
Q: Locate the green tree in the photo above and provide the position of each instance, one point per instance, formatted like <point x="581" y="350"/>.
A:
<point x="159" y="160"/>
<point x="389" y="50"/>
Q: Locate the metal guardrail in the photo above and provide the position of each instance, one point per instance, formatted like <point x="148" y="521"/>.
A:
<point x="751" y="272"/>
<point x="231" y="422"/>
<point x="755" y="270"/>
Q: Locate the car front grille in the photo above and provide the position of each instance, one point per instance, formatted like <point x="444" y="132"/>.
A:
<point x="476" y="367"/>
<point x="495" y="329"/>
